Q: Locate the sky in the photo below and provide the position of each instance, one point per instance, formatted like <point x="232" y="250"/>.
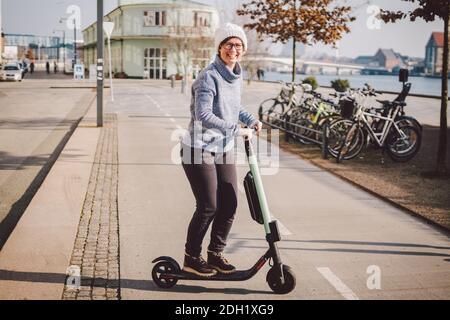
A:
<point x="408" y="38"/>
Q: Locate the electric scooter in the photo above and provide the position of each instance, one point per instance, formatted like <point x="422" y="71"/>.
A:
<point x="281" y="279"/>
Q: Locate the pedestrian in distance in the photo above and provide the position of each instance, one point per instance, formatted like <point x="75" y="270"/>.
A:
<point x="32" y="67"/>
<point x="55" y="67"/>
<point x="47" y="67"/>
<point x="207" y="151"/>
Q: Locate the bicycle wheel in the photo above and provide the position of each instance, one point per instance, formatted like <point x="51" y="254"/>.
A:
<point x="300" y="125"/>
<point x="325" y="121"/>
<point x="337" y="133"/>
<point x="353" y="143"/>
<point x="406" y="120"/>
<point x="403" y="145"/>
<point x="270" y="111"/>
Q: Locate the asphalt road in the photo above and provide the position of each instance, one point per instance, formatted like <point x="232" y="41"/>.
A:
<point x="35" y="122"/>
<point x="341" y="242"/>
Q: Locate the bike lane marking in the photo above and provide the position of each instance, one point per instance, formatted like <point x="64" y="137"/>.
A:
<point x="337" y="283"/>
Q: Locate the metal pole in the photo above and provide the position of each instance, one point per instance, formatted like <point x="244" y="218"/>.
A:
<point x="64" y="52"/>
<point x="99" y="63"/>
<point x="110" y="70"/>
<point x="75" y="41"/>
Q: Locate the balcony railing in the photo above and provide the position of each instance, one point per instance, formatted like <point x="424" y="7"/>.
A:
<point x="189" y="31"/>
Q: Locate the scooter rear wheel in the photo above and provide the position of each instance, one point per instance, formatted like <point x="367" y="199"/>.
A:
<point x="160" y="274"/>
<point x="274" y="281"/>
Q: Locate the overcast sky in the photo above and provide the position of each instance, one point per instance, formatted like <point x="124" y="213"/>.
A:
<point x="42" y="17"/>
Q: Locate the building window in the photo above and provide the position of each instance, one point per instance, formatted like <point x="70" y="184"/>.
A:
<point x="154" y="18"/>
<point x="202" y="19"/>
<point x="155" y="62"/>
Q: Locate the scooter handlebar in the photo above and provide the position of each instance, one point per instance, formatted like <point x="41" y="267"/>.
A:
<point x="248" y="144"/>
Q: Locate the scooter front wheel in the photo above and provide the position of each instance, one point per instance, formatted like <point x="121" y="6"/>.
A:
<point x="161" y="274"/>
<point x="275" y="280"/>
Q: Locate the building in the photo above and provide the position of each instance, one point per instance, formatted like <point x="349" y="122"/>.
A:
<point x="433" y="54"/>
<point x="39" y="48"/>
<point x="388" y="59"/>
<point x="367" y="60"/>
<point x="156" y="39"/>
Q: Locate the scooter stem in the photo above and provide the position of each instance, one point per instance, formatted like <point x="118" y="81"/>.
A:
<point x="254" y="168"/>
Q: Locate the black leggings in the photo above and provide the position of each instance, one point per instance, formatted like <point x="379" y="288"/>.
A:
<point x="214" y="183"/>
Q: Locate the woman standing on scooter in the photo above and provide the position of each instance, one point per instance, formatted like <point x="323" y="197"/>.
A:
<point x="208" y="151"/>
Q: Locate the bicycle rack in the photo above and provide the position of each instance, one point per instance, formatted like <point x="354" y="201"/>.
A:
<point x="324" y="133"/>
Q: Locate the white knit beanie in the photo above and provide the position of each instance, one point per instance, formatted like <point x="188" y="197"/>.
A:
<point x="230" y="30"/>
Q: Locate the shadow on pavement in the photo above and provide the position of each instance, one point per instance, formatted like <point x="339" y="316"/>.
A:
<point x="146" y="285"/>
<point x="346" y="250"/>
<point x="362" y="243"/>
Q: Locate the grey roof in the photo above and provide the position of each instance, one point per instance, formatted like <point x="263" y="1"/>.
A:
<point x="389" y="53"/>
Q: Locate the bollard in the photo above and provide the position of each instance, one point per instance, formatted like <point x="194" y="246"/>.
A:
<point x="172" y="81"/>
<point x="183" y="85"/>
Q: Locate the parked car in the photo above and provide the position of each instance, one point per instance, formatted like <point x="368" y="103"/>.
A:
<point x="11" y="72"/>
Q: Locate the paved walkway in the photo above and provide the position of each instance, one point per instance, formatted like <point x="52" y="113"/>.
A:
<point x="341" y="242"/>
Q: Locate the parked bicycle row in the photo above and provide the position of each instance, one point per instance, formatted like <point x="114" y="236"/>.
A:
<point x="345" y="123"/>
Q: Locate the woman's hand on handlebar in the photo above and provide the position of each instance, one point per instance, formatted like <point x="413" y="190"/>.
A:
<point x="246" y="133"/>
<point x="258" y="127"/>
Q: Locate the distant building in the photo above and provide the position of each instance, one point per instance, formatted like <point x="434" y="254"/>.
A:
<point x="156" y="39"/>
<point x="388" y="59"/>
<point x="367" y="60"/>
<point x="433" y="54"/>
<point x="33" y="47"/>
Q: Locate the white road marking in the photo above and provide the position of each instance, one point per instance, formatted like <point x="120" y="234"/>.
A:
<point x="284" y="231"/>
<point x="154" y="101"/>
<point x="337" y="283"/>
<point x="166" y="114"/>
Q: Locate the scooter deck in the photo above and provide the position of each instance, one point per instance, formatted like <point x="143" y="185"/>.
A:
<point x="239" y="275"/>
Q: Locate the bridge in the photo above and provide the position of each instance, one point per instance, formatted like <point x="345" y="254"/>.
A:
<point x="309" y="66"/>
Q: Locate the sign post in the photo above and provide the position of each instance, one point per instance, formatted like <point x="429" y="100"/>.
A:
<point x="109" y="27"/>
<point x="99" y="63"/>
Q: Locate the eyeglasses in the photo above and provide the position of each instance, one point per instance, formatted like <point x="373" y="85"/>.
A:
<point x="230" y="46"/>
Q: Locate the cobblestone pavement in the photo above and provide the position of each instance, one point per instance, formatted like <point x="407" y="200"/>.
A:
<point x="95" y="255"/>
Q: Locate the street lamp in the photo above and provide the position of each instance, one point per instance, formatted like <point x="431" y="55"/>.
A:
<point x="74" y="39"/>
<point x="64" y="46"/>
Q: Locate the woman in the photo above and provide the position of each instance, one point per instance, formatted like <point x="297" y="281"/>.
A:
<point x="207" y="151"/>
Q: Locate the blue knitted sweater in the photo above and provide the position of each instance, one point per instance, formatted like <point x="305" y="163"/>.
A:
<point x="216" y="108"/>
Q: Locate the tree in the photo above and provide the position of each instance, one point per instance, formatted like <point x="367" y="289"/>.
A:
<point x="305" y="21"/>
<point x="190" y="45"/>
<point x="429" y="10"/>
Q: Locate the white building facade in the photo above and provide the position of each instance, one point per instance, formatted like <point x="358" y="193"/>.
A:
<point x="156" y="39"/>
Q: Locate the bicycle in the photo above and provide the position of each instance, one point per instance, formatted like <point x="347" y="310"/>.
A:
<point x="399" y="139"/>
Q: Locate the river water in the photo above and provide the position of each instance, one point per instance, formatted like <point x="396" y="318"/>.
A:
<point x="420" y="85"/>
